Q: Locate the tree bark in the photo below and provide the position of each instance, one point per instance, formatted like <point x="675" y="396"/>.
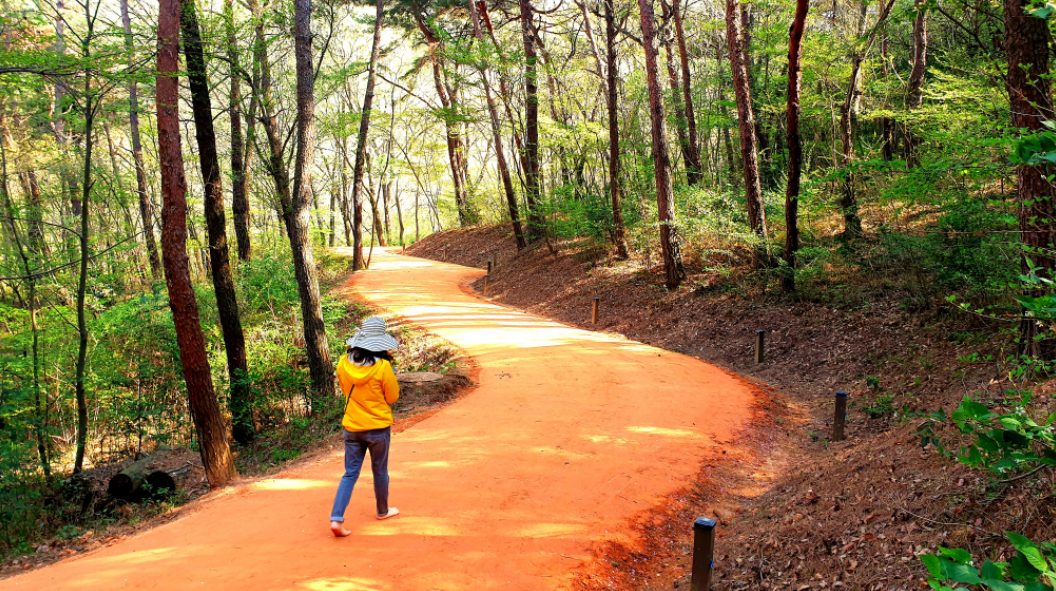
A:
<point x="670" y="249"/>
<point x="743" y="94"/>
<point x="239" y="153"/>
<point x="364" y="130"/>
<point x="693" y="164"/>
<point x="320" y="367"/>
<point x="795" y="144"/>
<point x="205" y="410"/>
<point x="852" y="222"/>
<point x="1030" y="101"/>
<point x="619" y="237"/>
<point x="915" y="91"/>
<point x="496" y="135"/>
<point x="676" y="93"/>
<point x="536" y="228"/>
<point x="146" y="210"/>
<point x="216" y="228"/>
<point x="887" y="124"/>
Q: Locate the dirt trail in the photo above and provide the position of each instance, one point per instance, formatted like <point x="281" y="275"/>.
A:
<point x="570" y="434"/>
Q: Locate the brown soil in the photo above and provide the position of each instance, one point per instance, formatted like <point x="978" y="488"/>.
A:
<point x="796" y="511"/>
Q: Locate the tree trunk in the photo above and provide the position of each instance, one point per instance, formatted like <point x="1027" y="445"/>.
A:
<point x="694" y="167"/>
<point x="887" y="125"/>
<point x="915" y="92"/>
<point x="743" y="94"/>
<point x="676" y="92"/>
<point x="1030" y="101"/>
<point x="320" y="367"/>
<point x="496" y="135"/>
<point x="852" y="222"/>
<point x="276" y="164"/>
<point x="669" y="241"/>
<point x="82" y="282"/>
<point x="35" y="214"/>
<point x="239" y="151"/>
<point x="612" y="80"/>
<point x="30" y="302"/>
<point x="216" y="228"/>
<point x="536" y="228"/>
<point x="361" y="139"/>
<point x="205" y="410"/>
<point x="146" y="210"/>
<point x="795" y="144"/>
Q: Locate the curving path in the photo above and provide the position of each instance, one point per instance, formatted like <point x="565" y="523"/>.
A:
<point x="569" y="436"/>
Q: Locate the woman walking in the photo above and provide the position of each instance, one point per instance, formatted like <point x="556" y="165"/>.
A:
<point x="368" y="383"/>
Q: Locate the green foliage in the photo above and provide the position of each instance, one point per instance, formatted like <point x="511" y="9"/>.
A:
<point x="1032" y="569"/>
<point x="1007" y="439"/>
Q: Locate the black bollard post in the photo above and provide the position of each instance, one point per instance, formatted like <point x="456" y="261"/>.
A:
<point x="594" y="313"/>
<point x="703" y="554"/>
<point x="841" y="416"/>
<point x="489" y="267"/>
<point x="760" y="346"/>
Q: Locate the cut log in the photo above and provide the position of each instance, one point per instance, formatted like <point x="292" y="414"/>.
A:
<point x="161" y="483"/>
<point x="166" y="482"/>
<point x="126" y="484"/>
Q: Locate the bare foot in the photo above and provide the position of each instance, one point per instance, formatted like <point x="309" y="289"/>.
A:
<point x="339" y="529"/>
<point x="393" y="512"/>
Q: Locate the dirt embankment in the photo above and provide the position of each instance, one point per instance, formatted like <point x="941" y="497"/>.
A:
<point x="797" y="511"/>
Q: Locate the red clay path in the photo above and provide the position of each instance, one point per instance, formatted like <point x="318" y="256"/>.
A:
<point x="570" y="435"/>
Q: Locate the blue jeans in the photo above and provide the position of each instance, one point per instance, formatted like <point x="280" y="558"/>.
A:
<point x="356" y="445"/>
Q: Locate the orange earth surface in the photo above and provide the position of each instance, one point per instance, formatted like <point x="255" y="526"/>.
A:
<point x="570" y="435"/>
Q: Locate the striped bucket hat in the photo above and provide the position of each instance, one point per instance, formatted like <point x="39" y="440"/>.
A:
<point x="371" y="335"/>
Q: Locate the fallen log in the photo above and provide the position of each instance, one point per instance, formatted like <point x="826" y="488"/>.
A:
<point x="164" y="482"/>
<point x="126" y="484"/>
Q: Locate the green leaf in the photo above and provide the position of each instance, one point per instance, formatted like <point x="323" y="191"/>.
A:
<point x="957" y="555"/>
<point x="1029" y="551"/>
<point x="933" y="565"/>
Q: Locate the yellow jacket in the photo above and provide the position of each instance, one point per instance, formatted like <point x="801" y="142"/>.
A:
<point x="368" y="405"/>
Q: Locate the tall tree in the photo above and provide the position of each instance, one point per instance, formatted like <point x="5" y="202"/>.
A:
<point x="673" y="76"/>
<point x="216" y="227"/>
<point x="612" y="81"/>
<point x="358" y="192"/>
<point x="743" y="94"/>
<point x="208" y="422"/>
<point x="146" y="210"/>
<point x="852" y="222"/>
<point x="320" y="367"/>
<point x="456" y="147"/>
<point x="670" y="249"/>
<point x="532" y="189"/>
<point x="496" y="131"/>
<point x="795" y="143"/>
<point x="1030" y="100"/>
<point x="240" y="156"/>
<point x="693" y="164"/>
<point x="915" y="90"/>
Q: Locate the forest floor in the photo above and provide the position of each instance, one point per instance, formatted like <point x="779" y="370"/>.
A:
<point x="795" y="509"/>
<point x="512" y="486"/>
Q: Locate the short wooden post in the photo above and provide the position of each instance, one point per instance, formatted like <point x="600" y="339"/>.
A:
<point x="841" y="416"/>
<point x="703" y="554"/>
<point x="594" y="312"/>
<point x="444" y="250"/>
<point x="487" y="278"/>
<point x="760" y="346"/>
<point x="404" y="251"/>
